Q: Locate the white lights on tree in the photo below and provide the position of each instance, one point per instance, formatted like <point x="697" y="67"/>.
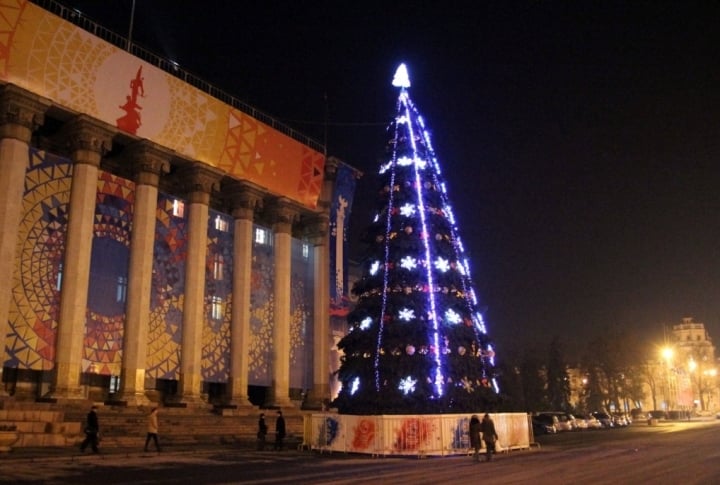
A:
<point x="452" y="316"/>
<point x="384" y="167"/>
<point x="404" y="161"/>
<point x="442" y="264"/>
<point x="374" y="268"/>
<point x="407" y="210"/>
<point x="406" y="314"/>
<point x="420" y="163"/>
<point x="401" y="79"/>
<point x="408" y="262"/>
<point x="355" y="385"/>
<point x="365" y="323"/>
<point x="407" y="385"/>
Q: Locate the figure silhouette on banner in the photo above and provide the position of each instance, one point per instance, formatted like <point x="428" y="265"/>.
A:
<point x="131" y="121"/>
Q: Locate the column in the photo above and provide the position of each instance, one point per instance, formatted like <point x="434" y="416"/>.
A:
<point x="283" y="215"/>
<point x="319" y="237"/>
<point x="88" y="141"/>
<point x="148" y="162"/>
<point x="201" y="181"/>
<point x="245" y="199"/>
<point x="21" y="113"/>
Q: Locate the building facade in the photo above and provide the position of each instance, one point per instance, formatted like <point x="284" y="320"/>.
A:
<point x="154" y="237"/>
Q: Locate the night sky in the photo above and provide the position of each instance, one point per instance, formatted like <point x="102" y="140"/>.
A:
<point x="580" y="141"/>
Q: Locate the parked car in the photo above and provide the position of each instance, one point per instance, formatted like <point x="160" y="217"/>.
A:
<point x="620" y="420"/>
<point x="604" y="418"/>
<point x="580" y="422"/>
<point x="638" y="415"/>
<point x="591" y="422"/>
<point x="567" y="421"/>
<point x="544" y="423"/>
<point x="657" y="414"/>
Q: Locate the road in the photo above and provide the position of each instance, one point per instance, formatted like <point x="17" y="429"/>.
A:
<point x="671" y="453"/>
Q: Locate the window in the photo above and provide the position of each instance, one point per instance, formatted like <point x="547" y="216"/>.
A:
<point x="114" y="384"/>
<point x="222" y="224"/>
<point x="178" y="208"/>
<point x="305" y="250"/>
<point x="121" y="290"/>
<point x="262" y="236"/>
<point x="58" y="284"/>
<point x="218" y="267"/>
<point x="217" y="308"/>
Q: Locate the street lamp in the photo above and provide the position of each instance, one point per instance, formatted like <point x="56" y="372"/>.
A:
<point x="667" y="353"/>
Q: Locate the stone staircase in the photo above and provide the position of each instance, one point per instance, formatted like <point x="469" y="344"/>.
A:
<point x="54" y="424"/>
<point x="40" y="427"/>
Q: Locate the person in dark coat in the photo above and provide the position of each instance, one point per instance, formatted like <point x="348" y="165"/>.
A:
<point x="262" y="432"/>
<point x="489" y="436"/>
<point x="92" y="431"/>
<point x="279" y="431"/>
<point x="475" y="436"/>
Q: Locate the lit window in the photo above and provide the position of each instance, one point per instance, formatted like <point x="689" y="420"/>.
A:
<point x="218" y="267"/>
<point x="305" y="250"/>
<point x="221" y="224"/>
<point x="121" y="290"/>
<point x="114" y="384"/>
<point x="58" y="284"/>
<point x="217" y="308"/>
<point x="178" y="209"/>
<point x="262" y="236"/>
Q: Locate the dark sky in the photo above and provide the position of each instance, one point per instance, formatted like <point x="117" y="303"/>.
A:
<point x="580" y="140"/>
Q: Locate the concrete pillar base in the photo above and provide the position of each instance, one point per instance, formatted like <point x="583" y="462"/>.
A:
<point x="65" y="395"/>
<point x="133" y="399"/>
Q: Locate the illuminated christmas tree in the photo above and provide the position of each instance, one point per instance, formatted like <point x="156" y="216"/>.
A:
<point x="417" y="341"/>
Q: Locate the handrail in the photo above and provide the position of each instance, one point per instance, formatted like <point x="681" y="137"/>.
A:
<point x="77" y="18"/>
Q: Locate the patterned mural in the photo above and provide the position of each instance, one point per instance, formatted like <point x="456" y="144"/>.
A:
<point x="301" y="316"/>
<point x="168" y="289"/>
<point x="56" y="59"/>
<point x="35" y="302"/>
<point x="262" y="306"/>
<point x="102" y="350"/>
<point x="218" y="299"/>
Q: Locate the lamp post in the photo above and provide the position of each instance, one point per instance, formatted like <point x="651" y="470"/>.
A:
<point x="667" y="354"/>
<point x="694" y="379"/>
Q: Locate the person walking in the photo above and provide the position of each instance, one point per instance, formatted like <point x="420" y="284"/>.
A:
<point x="262" y="432"/>
<point x="489" y="436"/>
<point x="279" y="431"/>
<point x="152" y="429"/>
<point x="92" y="431"/>
<point x="475" y="436"/>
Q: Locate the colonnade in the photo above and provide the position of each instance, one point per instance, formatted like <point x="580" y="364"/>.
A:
<point x="89" y="140"/>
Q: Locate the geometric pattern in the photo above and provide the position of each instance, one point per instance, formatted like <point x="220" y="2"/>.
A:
<point x="262" y="305"/>
<point x="35" y="301"/>
<point x="102" y="349"/>
<point x="301" y="304"/>
<point x="167" y="294"/>
<point x="218" y="284"/>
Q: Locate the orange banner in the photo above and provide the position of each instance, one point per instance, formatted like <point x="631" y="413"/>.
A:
<point x="81" y="72"/>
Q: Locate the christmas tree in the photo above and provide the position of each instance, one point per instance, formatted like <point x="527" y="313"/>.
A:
<point x="417" y="342"/>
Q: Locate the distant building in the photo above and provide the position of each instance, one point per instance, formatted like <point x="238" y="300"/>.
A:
<point x="693" y="367"/>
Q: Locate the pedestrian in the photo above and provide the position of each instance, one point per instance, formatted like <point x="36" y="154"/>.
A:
<point x="152" y="429"/>
<point x="475" y="436"/>
<point x="92" y="431"/>
<point x="279" y="431"/>
<point x="489" y="436"/>
<point x="261" y="433"/>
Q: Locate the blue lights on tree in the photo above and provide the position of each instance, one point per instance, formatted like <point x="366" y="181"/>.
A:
<point x="417" y="341"/>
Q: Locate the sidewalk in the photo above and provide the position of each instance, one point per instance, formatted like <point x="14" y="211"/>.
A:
<point x="73" y="453"/>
